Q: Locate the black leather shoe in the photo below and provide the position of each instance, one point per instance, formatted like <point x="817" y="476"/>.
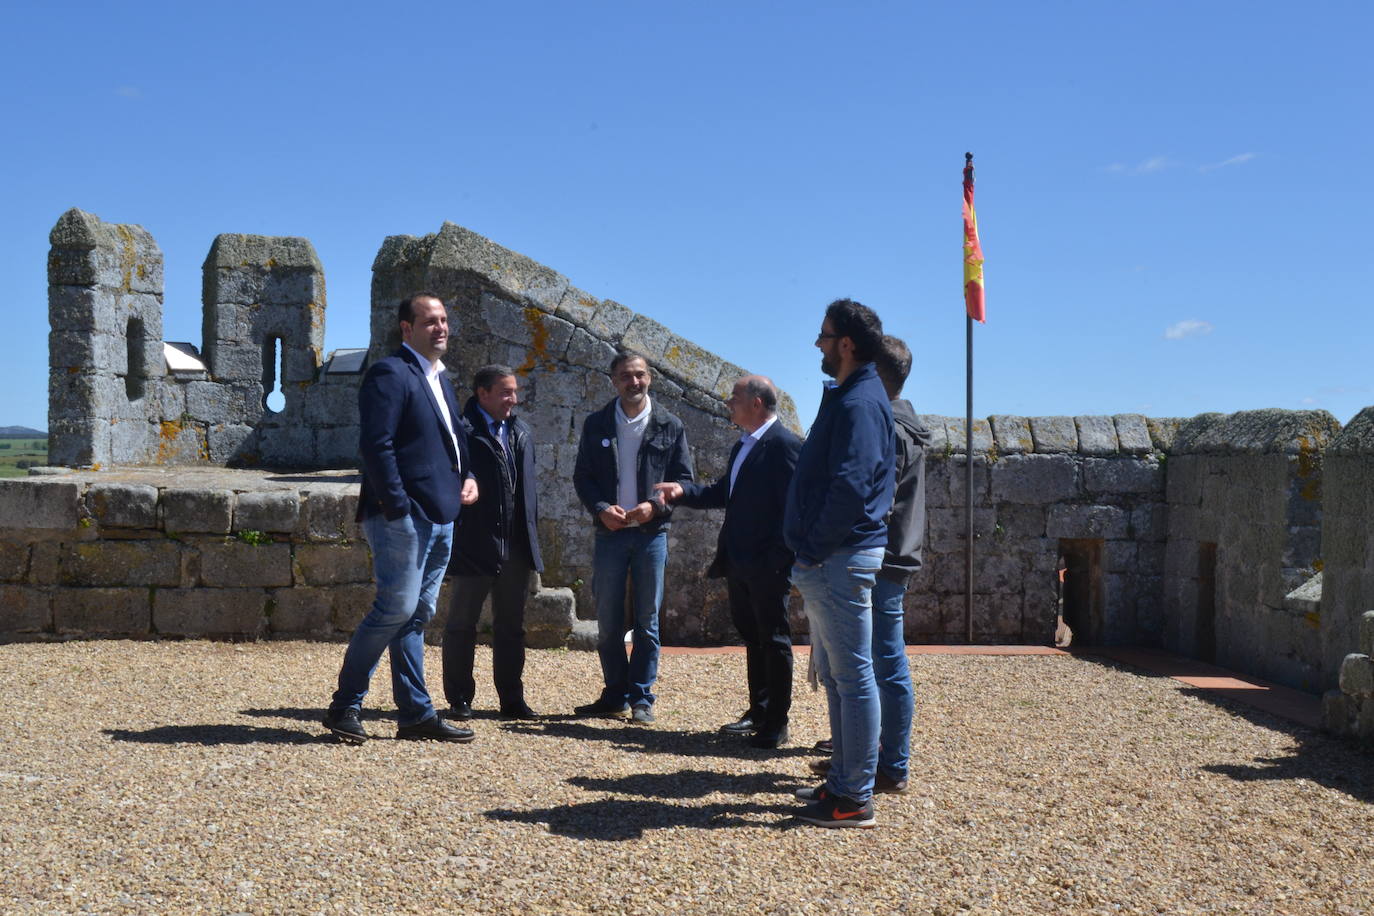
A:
<point x="519" y="710"/>
<point x="434" y="729"/>
<point x="744" y="725"/>
<point x="461" y="710"/>
<point x="604" y="707"/>
<point x="345" y="725"/>
<point x="767" y="738"/>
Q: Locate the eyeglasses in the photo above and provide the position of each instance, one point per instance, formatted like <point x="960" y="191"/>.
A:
<point x="824" y="336"/>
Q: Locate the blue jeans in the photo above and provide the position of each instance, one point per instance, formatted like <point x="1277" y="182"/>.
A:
<point x="409" y="556"/>
<point x="641" y="556"/>
<point x="892" y="672"/>
<point x="838" y="596"/>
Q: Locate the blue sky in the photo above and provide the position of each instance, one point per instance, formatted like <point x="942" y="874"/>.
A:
<point x="1173" y="196"/>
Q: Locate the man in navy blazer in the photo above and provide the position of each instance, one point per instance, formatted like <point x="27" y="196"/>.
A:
<point x="750" y="552"/>
<point x="416" y="477"/>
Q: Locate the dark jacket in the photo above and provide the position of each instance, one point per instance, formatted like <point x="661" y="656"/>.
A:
<point x="906" y="523"/>
<point x="842" y="489"/>
<point x="408" y="461"/>
<point x="663" y="456"/>
<point x="750" y="539"/>
<point x="506" y="512"/>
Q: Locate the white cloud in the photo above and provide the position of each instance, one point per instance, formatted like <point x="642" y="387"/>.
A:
<point x="1191" y="327"/>
<point x="128" y="92"/>
<point x="1145" y="167"/>
<point x="1238" y="159"/>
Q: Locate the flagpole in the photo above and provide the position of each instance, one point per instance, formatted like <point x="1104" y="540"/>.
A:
<point x="968" y="482"/>
<point x="974" y="309"/>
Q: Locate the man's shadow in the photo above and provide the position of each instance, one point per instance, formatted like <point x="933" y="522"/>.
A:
<point x="620" y="819"/>
<point x="212" y="734"/>
<point x="640" y="739"/>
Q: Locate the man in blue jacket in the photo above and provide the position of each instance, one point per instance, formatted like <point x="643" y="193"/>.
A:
<point x="416" y="477"/>
<point x="626" y="447"/>
<point x="836" y="525"/>
<point x="495" y="547"/>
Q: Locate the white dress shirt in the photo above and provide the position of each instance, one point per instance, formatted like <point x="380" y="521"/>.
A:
<point x="746" y="445"/>
<point x="432" y="372"/>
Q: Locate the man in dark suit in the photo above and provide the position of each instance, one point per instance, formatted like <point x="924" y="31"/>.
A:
<point x="750" y="552"/>
<point x="496" y="547"/>
<point x="416" y="477"/>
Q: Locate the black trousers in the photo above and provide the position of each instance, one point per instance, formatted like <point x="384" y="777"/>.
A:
<point x="758" y="605"/>
<point x="508" y="592"/>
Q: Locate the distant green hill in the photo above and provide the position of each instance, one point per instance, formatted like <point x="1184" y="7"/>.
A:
<point x="21" y="432"/>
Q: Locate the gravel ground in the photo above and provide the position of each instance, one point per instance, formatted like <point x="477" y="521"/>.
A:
<point x="194" y="777"/>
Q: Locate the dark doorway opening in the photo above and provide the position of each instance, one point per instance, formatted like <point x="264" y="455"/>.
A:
<point x="135" y="367"/>
<point x="1082" y="588"/>
<point x="1206" y="632"/>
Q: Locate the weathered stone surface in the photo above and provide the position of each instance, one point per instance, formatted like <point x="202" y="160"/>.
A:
<point x="351" y="603"/>
<point x="1086" y="522"/>
<point x="577" y="306"/>
<point x="14" y="561"/>
<point x="1150" y="522"/>
<point x="274" y="511"/>
<point x="235" y="563"/>
<point x="1258" y="432"/>
<point x="957" y="437"/>
<point x="647" y="336"/>
<point x="332" y="564"/>
<point x="232" y="444"/>
<point x="1357" y="438"/>
<point x="102" y="611"/>
<point x="115" y="563"/>
<point x="301" y="611"/>
<point x="1122" y="475"/>
<point x="589" y="351"/>
<point x="1035" y="479"/>
<point x="1096" y="436"/>
<point x="123" y="505"/>
<point x="1054" y="435"/>
<point x="610" y="321"/>
<point x="1012" y="434"/>
<point x="939" y="438"/>
<point x="1132" y="434"/>
<point x="329" y="513"/>
<point x="549" y="617"/>
<point x="210" y="611"/>
<point x="1357" y="675"/>
<point x="1367" y="633"/>
<point x="197" y="510"/>
<point x="24" y="609"/>
<point x="39" y="503"/>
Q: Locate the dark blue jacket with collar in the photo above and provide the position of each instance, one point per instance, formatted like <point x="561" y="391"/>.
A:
<point x="842" y="489"/>
<point x="506" y="513"/>
<point x="663" y="456"/>
<point x="409" y="465"/>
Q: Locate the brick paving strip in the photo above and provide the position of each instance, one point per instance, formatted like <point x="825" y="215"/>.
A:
<point x="1284" y="702"/>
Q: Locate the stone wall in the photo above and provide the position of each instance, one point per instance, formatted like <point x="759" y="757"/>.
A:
<point x="1092" y="487"/>
<point x="1347" y="602"/>
<point x="112" y="399"/>
<point x="1244" y="531"/>
<point x="152" y="553"/>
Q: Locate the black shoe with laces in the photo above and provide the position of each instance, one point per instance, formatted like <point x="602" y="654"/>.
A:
<point x="605" y="707"/>
<point x="345" y="725"/>
<point x="434" y="729"/>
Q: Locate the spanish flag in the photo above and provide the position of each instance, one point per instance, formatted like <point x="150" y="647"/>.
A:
<point x="973" y="250"/>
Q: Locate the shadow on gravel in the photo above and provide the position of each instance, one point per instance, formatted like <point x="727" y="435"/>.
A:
<point x="650" y="740"/>
<point x="691" y="784"/>
<point x="623" y="819"/>
<point x="1335" y="763"/>
<point x="314" y="714"/>
<point x="216" y="734"/>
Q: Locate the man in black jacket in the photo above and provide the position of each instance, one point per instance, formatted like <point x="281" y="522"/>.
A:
<point x="626" y="447"/>
<point x="750" y="552"/>
<point x="495" y="547"/>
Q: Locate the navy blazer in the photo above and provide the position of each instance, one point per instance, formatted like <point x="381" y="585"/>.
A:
<point x="750" y="540"/>
<point x="408" y="460"/>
